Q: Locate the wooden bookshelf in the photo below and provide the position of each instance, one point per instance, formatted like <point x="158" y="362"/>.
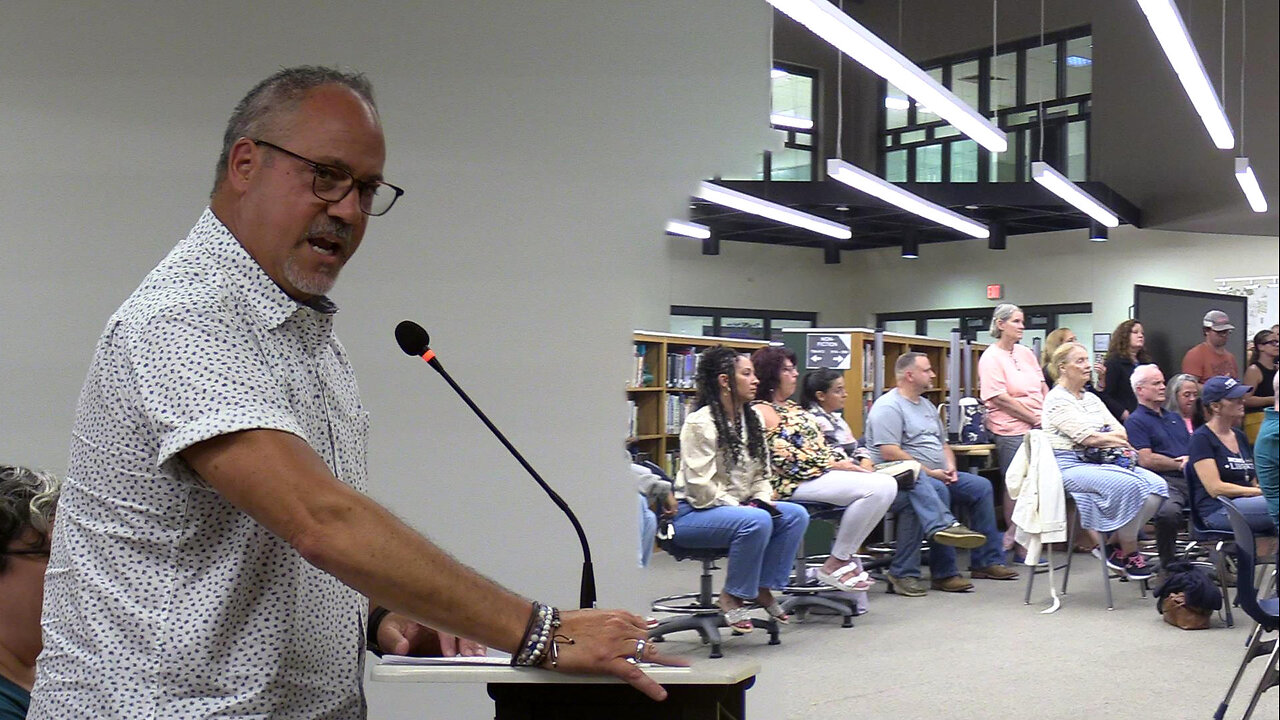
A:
<point x="658" y="388"/>
<point x="859" y="379"/>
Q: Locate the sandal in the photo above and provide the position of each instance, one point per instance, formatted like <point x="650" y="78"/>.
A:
<point x="838" y="580"/>
<point x="777" y="613"/>
<point x="738" y="619"/>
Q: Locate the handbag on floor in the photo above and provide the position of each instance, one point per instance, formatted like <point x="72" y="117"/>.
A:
<point x="1188" y="597"/>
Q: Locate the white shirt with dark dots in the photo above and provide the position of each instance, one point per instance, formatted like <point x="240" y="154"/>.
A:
<point x="162" y="600"/>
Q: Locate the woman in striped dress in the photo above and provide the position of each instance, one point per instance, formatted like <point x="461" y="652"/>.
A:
<point x="1099" y="467"/>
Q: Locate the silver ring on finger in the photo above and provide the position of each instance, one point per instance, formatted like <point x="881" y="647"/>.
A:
<point x="641" y="645"/>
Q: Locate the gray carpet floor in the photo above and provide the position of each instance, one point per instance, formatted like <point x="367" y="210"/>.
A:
<point x="985" y="654"/>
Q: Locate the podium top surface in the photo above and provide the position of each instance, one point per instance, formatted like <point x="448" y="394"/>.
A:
<point x="705" y="671"/>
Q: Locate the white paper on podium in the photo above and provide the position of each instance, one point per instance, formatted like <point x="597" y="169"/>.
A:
<point x="449" y="661"/>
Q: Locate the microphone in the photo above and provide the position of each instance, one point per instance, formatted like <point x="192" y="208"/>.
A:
<point x="414" y="340"/>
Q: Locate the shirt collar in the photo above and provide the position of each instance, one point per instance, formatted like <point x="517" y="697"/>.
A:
<point x="268" y="300"/>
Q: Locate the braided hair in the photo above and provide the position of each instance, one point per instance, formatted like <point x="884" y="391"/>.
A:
<point x="717" y="361"/>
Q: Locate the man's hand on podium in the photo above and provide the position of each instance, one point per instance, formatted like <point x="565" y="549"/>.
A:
<point x="399" y="635"/>
<point x="609" y="642"/>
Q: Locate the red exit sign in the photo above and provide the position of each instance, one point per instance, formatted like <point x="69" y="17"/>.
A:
<point x="995" y="292"/>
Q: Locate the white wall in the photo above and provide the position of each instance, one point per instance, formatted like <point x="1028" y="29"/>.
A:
<point x="537" y="142"/>
<point x="1060" y="267"/>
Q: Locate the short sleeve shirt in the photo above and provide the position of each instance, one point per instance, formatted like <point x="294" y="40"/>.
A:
<point x="1016" y="374"/>
<point x="1204" y="363"/>
<point x="162" y="599"/>
<point x="1233" y="467"/>
<point x="912" y="426"/>
<point x="1164" y="433"/>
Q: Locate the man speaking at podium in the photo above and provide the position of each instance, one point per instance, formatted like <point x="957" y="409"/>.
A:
<point x="215" y="554"/>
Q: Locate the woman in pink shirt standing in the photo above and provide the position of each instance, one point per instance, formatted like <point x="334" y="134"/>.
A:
<point x="1011" y="384"/>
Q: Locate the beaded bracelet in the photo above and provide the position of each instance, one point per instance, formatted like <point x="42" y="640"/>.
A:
<point x="538" y="636"/>
<point x="371" y="633"/>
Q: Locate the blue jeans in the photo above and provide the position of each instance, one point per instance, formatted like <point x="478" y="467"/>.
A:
<point x="934" y="499"/>
<point x="1253" y="508"/>
<point x="648" y="529"/>
<point x="762" y="548"/>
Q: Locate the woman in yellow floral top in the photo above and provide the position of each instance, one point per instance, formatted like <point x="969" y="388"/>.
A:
<point x="805" y="467"/>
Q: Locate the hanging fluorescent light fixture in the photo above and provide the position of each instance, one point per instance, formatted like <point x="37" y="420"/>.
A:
<point x="688" y="229"/>
<point x="1249" y="184"/>
<point x="1059" y="185"/>
<point x="771" y="210"/>
<point x="859" y="179"/>
<point x="789" y="121"/>
<point x="1171" y="32"/>
<point x="831" y="24"/>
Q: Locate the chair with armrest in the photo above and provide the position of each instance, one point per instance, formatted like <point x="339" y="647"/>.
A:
<point x="1266" y="611"/>
<point x="1214" y="541"/>
<point x="698" y="610"/>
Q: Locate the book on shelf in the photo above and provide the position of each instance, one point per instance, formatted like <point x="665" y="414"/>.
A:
<point x="682" y="368"/>
<point x="634" y="411"/>
<point x="671" y="462"/>
<point x="678" y="408"/>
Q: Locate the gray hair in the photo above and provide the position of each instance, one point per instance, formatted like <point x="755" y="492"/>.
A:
<point x="1174" y="385"/>
<point x="906" y="361"/>
<point x="277" y="96"/>
<point x="1002" y="313"/>
<point x="1143" y="373"/>
<point x="28" y="499"/>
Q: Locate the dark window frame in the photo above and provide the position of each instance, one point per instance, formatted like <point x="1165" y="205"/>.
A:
<point x="814" y="141"/>
<point x="719" y="313"/>
<point x="1052" y="312"/>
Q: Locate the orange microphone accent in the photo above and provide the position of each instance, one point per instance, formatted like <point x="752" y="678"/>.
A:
<point x="429" y="355"/>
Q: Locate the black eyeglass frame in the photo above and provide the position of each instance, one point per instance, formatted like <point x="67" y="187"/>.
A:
<point x="353" y="182"/>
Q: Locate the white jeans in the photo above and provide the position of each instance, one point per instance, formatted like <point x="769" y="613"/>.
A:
<point x="866" y="497"/>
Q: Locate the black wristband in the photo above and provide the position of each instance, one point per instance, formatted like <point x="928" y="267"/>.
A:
<point x="371" y="635"/>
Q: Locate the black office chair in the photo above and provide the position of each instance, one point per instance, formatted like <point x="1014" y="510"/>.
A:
<point x="698" y="610"/>
<point x="804" y="594"/>
<point x="1264" y="610"/>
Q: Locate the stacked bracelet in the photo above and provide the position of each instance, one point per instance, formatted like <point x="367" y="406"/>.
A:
<point x="538" y="636"/>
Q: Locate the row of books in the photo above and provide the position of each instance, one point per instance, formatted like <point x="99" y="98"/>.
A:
<point x="634" y="411"/>
<point x="678" y="408"/>
<point x="681" y="368"/>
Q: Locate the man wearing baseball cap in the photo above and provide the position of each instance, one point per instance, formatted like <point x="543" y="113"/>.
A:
<point x="1211" y="357"/>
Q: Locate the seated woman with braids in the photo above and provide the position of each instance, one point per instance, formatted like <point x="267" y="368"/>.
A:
<point x="805" y="467"/>
<point x="723" y="490"/>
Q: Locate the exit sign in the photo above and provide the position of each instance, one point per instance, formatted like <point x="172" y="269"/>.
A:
<point x="995" y="292"/>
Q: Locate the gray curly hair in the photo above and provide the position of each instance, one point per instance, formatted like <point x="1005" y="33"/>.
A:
<point x="28" y="499"/>
<point x="274" y="98"/>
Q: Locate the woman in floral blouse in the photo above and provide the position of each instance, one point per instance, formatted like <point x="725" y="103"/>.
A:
<point x="805" y="467"/>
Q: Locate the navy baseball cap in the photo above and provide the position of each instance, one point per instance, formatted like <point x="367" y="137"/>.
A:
<point x="1222" y="387"/>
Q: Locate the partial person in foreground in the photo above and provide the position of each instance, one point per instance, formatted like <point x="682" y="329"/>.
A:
<point x="1099" y="467"/>
<point x="724" y="494"/>
<point x="1259" y="374"/>
<point x="806" y="467"/>
<point x="215" y="554"/>
<point x="1220" y="461"/>
<point x="28" y="499"/>
<point x="1266" y="453"/>
<point x="904" y="425"/>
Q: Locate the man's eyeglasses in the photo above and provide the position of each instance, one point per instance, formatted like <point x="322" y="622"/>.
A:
<point x="331" y="184"/>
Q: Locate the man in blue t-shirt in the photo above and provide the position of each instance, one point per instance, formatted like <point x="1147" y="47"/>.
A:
<point x="1161" y="441"/>
<point x="904" y="425"/>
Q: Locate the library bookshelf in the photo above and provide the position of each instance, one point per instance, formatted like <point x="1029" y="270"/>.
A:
<point x="860" y="377"/>
<point x="660" y="391"/>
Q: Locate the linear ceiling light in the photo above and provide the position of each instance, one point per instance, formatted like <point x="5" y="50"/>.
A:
<point x="1249" y="184"/>
<point x="791" y="121"/>
<point x="688" y="229"/>
<point x="1167" y="24"/>
<point x="859" y="179"/>
<point x="1069" y="191"/>
<point x="771" y="210"/>
<point x="831" y="24"/>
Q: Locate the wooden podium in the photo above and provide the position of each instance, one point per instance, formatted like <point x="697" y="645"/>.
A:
<point x="708" y="690"/>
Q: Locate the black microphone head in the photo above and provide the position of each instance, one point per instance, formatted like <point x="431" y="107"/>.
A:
<point x="413" y="339"/>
